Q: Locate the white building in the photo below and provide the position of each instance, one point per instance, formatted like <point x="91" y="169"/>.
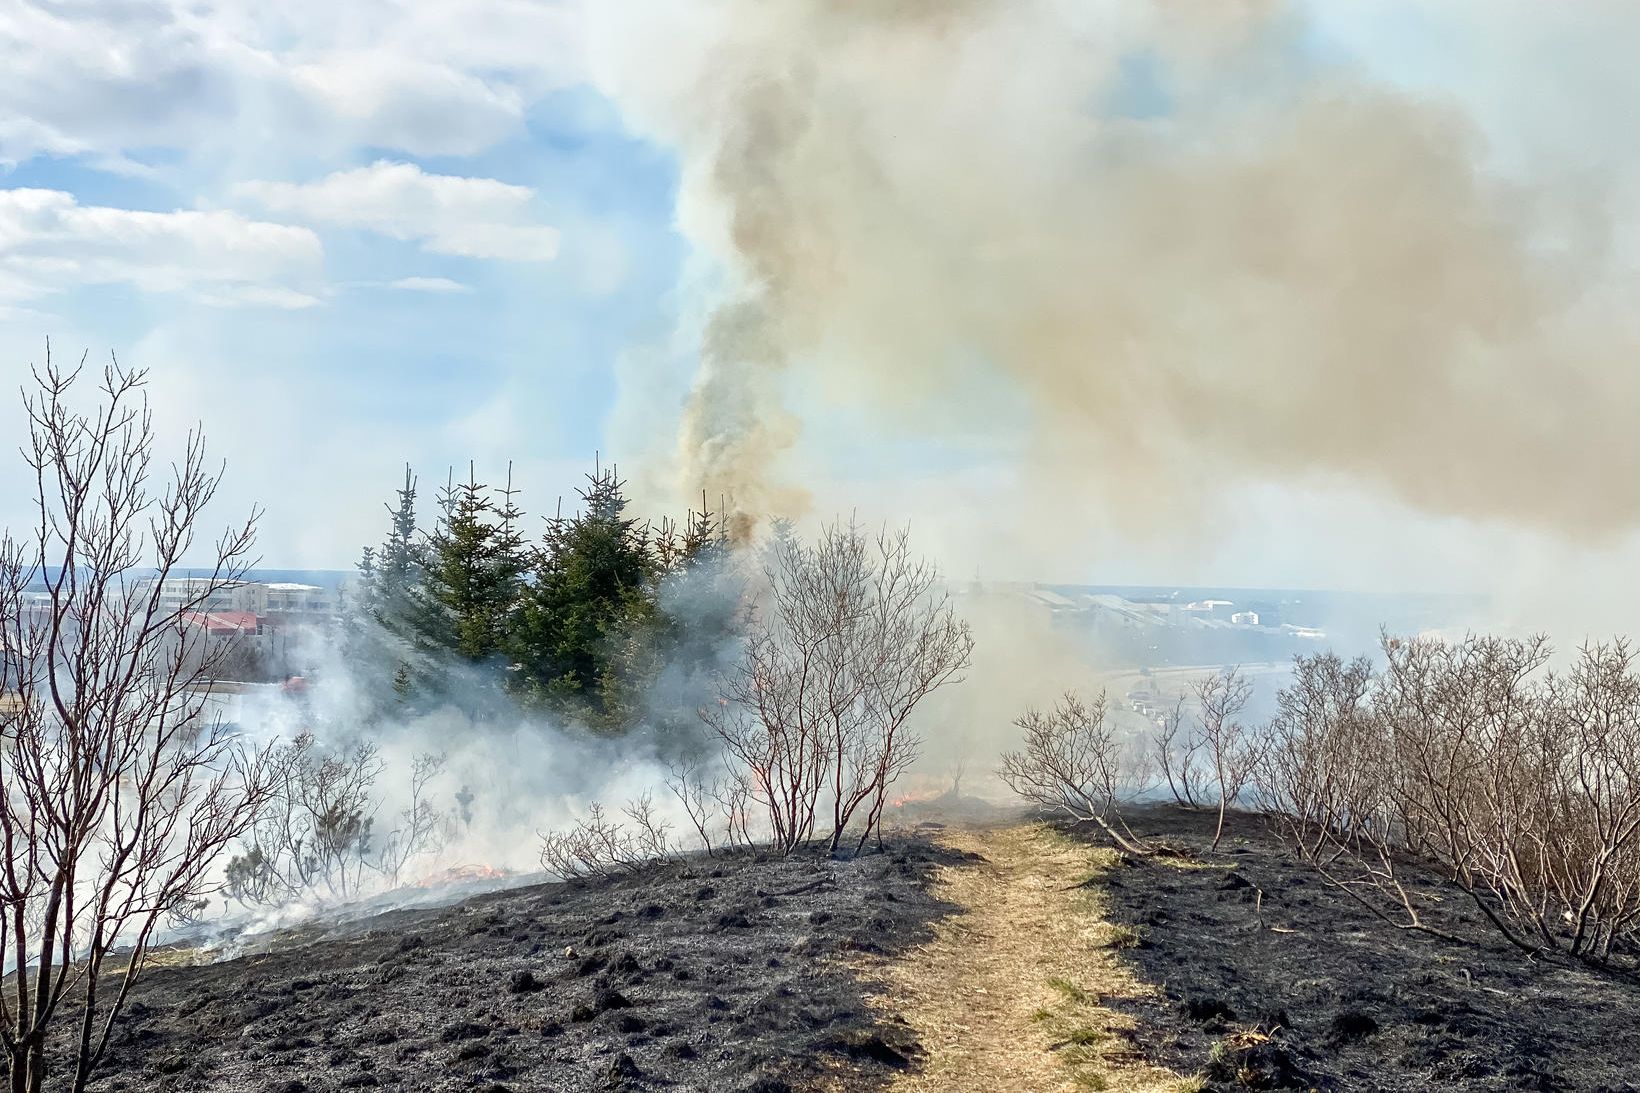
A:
<point x="290" y="601"/>
<point x="298" y="599"/>
<point x="178" y="592"/>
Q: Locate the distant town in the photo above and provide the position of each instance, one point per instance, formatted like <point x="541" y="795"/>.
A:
<point x="1144" y="642"/>
<point x="269" y="623"/>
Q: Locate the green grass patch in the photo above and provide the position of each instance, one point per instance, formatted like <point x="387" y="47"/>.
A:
<point x="1070" y="990"/>
<point x="1122" y="936"/>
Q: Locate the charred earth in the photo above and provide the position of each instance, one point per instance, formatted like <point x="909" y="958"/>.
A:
<point x="1271" y="978"/>
<point x="711" y="974"/>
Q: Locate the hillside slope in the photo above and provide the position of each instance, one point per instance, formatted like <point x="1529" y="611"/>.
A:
<point x="709" y="975"/>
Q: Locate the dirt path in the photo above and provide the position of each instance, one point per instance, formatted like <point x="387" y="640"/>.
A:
<point x="1006" y="995"/>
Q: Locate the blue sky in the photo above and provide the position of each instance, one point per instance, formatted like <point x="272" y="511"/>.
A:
<point x="403" y="237"/>
<point x="349" y="236"/>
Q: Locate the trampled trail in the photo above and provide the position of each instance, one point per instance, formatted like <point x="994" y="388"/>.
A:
<point x="1006" y="997"/>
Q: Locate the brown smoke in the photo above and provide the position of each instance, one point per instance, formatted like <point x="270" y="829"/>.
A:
<point x="1261" y="268"/>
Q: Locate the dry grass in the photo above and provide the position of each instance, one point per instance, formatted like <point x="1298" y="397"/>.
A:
<point x="1006" y="997"/>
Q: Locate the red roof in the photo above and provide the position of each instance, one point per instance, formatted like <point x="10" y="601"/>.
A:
<point x="223" y="622"/>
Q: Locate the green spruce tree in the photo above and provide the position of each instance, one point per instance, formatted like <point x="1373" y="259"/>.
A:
<point x="474" y="569"/>
<point x="396" y="622"/>
<point x="592" y="586"/>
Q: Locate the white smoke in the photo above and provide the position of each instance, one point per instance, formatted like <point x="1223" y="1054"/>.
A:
<point x="1140" y="253"/>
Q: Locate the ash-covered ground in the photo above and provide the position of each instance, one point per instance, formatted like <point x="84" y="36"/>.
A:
<point x="1348" y="1001"/>
<point x="712" y="974"/>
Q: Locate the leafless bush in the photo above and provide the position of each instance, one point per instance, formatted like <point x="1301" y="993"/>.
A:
<point x="1521" y="784"/>
<point x="600" y="846"/>
<point x="852" y="635"/>
<point x="1074" y="766"/>
<point x="716" y="806"/>
<point x="423" y="829"/>
<point x="1176" y="750"/>
<point x="1321" y="766"/>
<point x="1231" y="752"/>
<point x="733" y="797"/>
<point x="1325" y="779"/>
<point x="1210" y="761"/>
<point x="117" y="791"/>
<point x="315" y="835"/>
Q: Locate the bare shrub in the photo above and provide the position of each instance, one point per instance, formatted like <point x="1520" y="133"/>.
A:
<point x="1231" y="751"/>
<point x="117" y="791"/>
<point x="600" y="846"/>
<point x="424" y="829"/>
<point x="1526" y="789"/>
<point x="1210" y="762"/>
<point x="1176" y="749"/>
<point x="1320" y="770"/>
<point x="315" y="835"/>
<point x="1587" y="838"/>
<point x="852" y="634"/>
<point x="716" y="806"/>
<point x="1073" y="765"/>
<point x="686" y="782"/>
<point x="1326" y="779"/>
<point x="1521" y="784"/>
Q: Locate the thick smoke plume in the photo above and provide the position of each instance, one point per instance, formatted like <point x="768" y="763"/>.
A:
<point x="1143" y="248"/>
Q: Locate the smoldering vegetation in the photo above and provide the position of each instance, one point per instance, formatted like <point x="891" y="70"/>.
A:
<point x="723" y="973"/>
<point x="479" y="695"/>
<point x="481" y="687"/>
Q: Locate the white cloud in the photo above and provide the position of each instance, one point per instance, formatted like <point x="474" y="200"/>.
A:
<point x="431" y="284"/>
<point x="445" y="214"/>
<point x="50" y="243"/>
<point x="218" y="77"/>
<point x="387" y="100"/>
<point x="286" y="299"/>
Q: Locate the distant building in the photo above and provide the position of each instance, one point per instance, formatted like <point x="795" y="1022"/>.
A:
<point x="263" y="621"/>
<point x="307" y="601"/>
<point x="299" y="599"/>
<point x="1244" y="618"/>
<point x="175" y="593"/>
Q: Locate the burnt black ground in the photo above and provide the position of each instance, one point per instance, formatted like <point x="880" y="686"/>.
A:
<point x="713" y="974"/>
<point x="1355" y="1003"/>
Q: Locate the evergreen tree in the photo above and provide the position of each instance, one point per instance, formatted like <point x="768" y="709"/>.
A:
<point x="398" y="564"/>
<point x="513" y="558"/>
<point x="474" y="567"/>
<point x="397" y="573"/>
<point x="607" y="621"/>
<point x="357" y="611"/>
<point x="592" y="586"/>
<point x="392" y="619"/>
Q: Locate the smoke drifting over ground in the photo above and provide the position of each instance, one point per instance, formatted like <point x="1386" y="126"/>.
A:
<point x="1143" y="250"/>
<point x="507" y="774"/>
